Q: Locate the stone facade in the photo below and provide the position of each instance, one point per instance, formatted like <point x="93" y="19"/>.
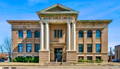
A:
<point x="59" y="17"/>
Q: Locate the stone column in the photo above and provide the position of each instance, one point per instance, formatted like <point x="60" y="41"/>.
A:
<point x="71" y="53"/>
<point x="42" y="36"/>
<point x="74" y="36"/>
<point x="68" y="36"/>
<point x="44" y="54"/>
<point x="47" y="36"/>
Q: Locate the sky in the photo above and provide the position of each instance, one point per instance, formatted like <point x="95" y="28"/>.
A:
<point x="88" y="10"/>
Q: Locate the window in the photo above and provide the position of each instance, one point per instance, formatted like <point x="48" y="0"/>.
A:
<point x="89" y="47"/>
<point x="89" y="33"/>
<point x="80" y="57"/>
<point x="80" y="34"/>
<point x="81" y="48"/>
<point x="98" y="33"/>
<point x="29" y="34"/>
<point x="58" y="33"/>
<point x="36" y="34"/>
<point x="37" y="47"/>
<point x="20" y="47"/>
<point x="98" y="58"/>
<point x="89" y="57"/>
<point x="29" y="47"/>
<point x="98" y="48"/>
<point x="20" y="33"/>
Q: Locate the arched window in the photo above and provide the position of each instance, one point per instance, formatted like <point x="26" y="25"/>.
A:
<point x="98" y="33"/>
<point x="80" y="34"/>
<point x="89" y="33"/>
<point x="36" y="34"/>
<point x="29" y="34"/>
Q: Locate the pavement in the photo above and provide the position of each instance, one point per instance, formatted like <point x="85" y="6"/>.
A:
<point x="72" y="66"/>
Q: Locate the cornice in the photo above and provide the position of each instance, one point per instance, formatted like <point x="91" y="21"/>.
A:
<point x="94" y="21"/>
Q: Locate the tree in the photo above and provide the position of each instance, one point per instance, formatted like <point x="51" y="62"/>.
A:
<point x="1" y="49"/>
<point x="7" y="44"/>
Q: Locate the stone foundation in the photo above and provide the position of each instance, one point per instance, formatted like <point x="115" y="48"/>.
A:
<point x="44" y="57"/>
<point x="71" y="56"/>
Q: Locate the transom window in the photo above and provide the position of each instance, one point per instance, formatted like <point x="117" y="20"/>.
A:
<point x="58" y="33"/>
<point x="98" y="33"/>
<point x="36" y="34"/>
<point x="89" y="33"/>
<point x="80" y="48"/>
<point x="29" y="34"/>
<point x="80" y="34"/>
<point x="89" y="47"/>
<point x="20" y="33"/>
<point x="98" y="48"/>
<point x="29" y="47"/>
<point x="20" y="47"/>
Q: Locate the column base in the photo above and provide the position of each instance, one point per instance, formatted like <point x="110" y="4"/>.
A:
<point x="44" y="57"/>
<point x="71" y="56"/>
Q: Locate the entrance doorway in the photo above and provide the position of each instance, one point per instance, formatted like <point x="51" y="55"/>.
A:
<point x="58" y="54"/>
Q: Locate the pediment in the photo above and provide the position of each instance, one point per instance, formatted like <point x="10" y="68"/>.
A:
<point x="57" y="8"/>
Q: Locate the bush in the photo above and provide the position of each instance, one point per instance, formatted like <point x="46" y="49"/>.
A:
<point x="26" y="59"/>
<point x="98" y="61"/>
<point x="90" y="61"/>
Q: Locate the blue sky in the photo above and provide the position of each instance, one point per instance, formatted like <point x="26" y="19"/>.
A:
<point x="89" y="10"/>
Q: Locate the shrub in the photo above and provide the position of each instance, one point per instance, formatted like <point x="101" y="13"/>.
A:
<point x="91" y="61"/>
<point x="26" y="59"/>
<point x="98" y="60"/>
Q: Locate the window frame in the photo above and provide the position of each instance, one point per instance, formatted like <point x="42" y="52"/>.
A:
<point x="58" y="33"/>
<point x="82" y="46"/>
<point x="29" y="34"/>
<point x="36" y="48"/>
<point x="90" y="49"/>
<point x="20" y="47"/>
<point x="37" y="34"/>
<point x="28" y="47"/>
<point x="89" y="34"/>
<point x="20" y="33"/>
<point x="98" y="33"/>
<point x="80" y="34"/>
<point x="98" y="47"/>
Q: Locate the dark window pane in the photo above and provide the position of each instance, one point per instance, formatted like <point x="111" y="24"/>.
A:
<point x="89" y="33"/>
<point x="36" y="34"/>
<point x="37" y="47"/>
<point x="98" y="48"/>
<point x="98" y="58"/>
<point x="58" y="34"/>
<point x="29" y="47"/>
<point x="89" y="57"/>
<point x="98" y="33"/>
<point x="20" y="47"/>
<point x="89" y="47"/>
<point x="81" y="57"/>
<point x="20" y="34"/>
<point x="55" y="33"/>
<point x="80" y="34"/>
<point x="81" y="48"/>
<point x="29" y="34"/>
